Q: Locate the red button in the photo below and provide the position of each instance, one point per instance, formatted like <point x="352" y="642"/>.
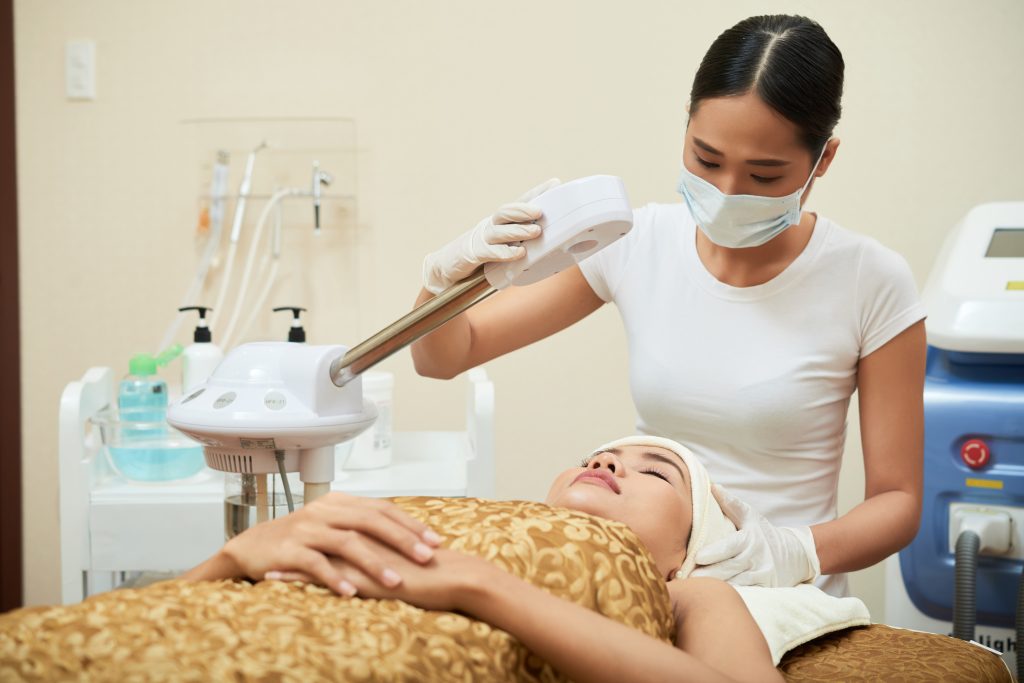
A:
<point x="975" y="453"/>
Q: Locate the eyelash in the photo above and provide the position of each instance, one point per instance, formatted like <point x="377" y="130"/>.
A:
<point x="657" y="473"/>
<point x="757" y="178"/>
<point x="705" y="164"/>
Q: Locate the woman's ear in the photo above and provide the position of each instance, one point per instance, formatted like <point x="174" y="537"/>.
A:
<point x="831" y="147"/>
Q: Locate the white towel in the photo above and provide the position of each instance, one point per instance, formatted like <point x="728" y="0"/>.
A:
<point x="788" y="617"/>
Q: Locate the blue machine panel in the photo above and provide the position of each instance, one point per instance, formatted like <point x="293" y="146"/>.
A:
<point x="967" y="396"/>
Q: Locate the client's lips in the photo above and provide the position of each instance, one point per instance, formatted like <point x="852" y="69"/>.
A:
<point x="604" y="476"/>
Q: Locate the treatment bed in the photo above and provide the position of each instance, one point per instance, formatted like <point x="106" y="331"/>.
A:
<point x="274" y="631"/>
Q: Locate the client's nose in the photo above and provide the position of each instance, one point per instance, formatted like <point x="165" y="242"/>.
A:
<point x="606" y="460"/>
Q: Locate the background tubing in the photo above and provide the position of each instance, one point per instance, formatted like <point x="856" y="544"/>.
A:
<point x="965" y="597"/>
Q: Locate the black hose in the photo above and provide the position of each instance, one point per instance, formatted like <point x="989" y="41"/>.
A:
<point x="1020" y="627"/>
<point x="965" y="597"/>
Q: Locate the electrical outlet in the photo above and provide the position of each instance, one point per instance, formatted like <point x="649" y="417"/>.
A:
<point x="80" y="70"/>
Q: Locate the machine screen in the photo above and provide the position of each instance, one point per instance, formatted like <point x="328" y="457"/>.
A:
<point x="1006" y="242"/>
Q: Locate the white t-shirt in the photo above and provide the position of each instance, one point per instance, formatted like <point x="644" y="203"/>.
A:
<point x="755" y="380"/>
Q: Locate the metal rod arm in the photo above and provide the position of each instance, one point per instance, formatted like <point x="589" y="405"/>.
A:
<point x="418" y="323"/>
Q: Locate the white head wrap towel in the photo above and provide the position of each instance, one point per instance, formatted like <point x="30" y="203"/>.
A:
<point x="709" y="522"/>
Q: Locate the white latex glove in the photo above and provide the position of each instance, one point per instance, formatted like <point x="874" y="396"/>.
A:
<point x="759" y="553"/>
<point x="491" y="240"/>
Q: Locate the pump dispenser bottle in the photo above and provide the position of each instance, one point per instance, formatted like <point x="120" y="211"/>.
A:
<point x="296" y="333"/>
<point x="202" y="356"/>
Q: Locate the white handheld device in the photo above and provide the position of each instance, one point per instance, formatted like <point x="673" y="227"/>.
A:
<point x="580" y="218"/>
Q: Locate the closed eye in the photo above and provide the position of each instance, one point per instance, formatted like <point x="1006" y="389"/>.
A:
<point x="705" y="163"/>
<point x="764" y="180"/>
<point x="656" y="473"/>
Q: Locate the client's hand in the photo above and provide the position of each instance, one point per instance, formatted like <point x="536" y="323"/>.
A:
<point x="365" y="534"/>
<point x="444" y="583"/>
<point x="759" y="553"/>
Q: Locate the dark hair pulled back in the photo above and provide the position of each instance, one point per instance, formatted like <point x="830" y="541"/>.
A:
<point x="789" y="61"/>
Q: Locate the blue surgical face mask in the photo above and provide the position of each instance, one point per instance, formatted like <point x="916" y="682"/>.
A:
<point x="738" y="221"/>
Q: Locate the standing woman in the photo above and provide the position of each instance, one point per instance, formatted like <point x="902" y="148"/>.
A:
<point x="750" y="322"/>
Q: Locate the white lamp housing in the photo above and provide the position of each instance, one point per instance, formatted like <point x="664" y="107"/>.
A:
<point x="267" y="397"/>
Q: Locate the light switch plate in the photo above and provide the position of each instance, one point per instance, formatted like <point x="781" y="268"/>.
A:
<point x="80" y="70"/>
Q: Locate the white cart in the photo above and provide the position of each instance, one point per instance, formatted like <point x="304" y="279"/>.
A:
<point x="111" y="526"/>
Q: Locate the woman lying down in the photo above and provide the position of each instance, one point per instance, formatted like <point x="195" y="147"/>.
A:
<point x="593" y="586"/>
<point x="655" y="486"/>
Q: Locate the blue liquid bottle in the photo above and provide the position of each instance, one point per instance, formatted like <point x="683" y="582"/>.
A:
<point x="145" y="449"/>
<point x="142" y="395"/>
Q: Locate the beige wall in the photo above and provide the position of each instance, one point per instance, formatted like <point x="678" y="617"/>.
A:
<point x="460" y="106"/>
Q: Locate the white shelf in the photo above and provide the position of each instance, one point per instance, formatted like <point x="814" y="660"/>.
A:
<point x="423" y="464"/>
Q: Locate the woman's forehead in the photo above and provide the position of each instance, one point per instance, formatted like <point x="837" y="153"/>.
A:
<point x="744" y="122"/>
<point x="641" y="449"/>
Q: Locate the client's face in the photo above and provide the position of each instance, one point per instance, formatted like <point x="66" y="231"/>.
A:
<point x="645" y="487"/>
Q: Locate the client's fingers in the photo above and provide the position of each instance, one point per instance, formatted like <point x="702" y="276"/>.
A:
<point x="345" y="587"/>
<point x="340" y="508"/>
<point x="405" y="519"/>
<point x="382" y="525"/>
<point x="356" y="550"/>
<point x="315" y="566"/>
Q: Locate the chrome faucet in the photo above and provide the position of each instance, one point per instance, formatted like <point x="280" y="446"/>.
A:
<point x="320" y="178"/>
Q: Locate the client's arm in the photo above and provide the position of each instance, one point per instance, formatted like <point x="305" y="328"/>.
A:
<point x="335" y="525"/>
<point x="713" y="628"/>
<point x="713" y="624"/>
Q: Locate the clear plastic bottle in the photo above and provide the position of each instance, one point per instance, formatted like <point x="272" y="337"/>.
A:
<point x="145" y="448"/>
<point x="142" y="395"/>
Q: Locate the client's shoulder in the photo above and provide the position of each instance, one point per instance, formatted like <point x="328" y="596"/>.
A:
<point x="702" y="596"/>
<point x="698" y="590"/>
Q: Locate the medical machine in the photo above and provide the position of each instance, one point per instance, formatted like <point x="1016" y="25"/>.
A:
<point x="962" y="572"/>
<point x="278" y="407"/>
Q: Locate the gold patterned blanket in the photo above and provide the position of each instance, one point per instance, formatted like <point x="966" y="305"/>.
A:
<point x="271" y="631"/>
